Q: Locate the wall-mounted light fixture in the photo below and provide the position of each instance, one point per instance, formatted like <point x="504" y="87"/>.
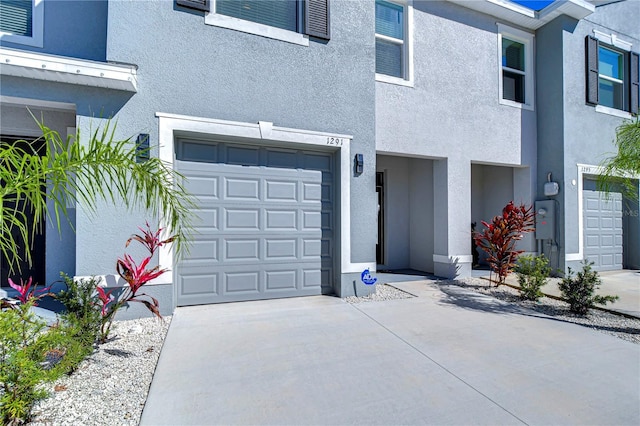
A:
<point x="358" y="163"/>
<point x="142" y="148"/>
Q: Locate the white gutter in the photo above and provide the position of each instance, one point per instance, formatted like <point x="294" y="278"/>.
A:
<point x="39" y="66"/>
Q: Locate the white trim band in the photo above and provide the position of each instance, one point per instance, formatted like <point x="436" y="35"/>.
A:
<point x="39" y="66"/>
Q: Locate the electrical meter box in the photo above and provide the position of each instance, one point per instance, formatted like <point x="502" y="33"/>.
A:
<point x="545" y="220"/>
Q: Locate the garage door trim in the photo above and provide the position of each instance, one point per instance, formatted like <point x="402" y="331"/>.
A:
<point x="171" y="126"/>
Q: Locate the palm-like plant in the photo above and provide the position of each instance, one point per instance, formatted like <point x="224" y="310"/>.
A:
<point x="102" y="169"/>
<point x="624" y="167"/>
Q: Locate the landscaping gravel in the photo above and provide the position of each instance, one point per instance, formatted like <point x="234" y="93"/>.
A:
<point x="110" y="387"/>
<point x="606" y="322"/>
<point x="614" y="324"/>
<point x="382" y="292"/>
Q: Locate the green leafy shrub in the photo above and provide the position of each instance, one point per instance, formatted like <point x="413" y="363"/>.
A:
<point x="533" y="273"/>
<point x="32" y="353"/>
<point x="20" y="370"/>
<point x="579" y="291"/>
<point x="82" y="307"/>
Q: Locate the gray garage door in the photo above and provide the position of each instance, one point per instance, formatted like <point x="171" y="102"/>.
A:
<point x="603" y="229"/>
<point x="264" y="222"/>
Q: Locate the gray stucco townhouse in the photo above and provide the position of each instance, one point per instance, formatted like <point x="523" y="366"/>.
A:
<point x="323" y="138"/>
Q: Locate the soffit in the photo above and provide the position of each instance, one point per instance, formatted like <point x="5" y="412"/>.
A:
<point x="524" y="17"/>
<point x="39" y="66"/>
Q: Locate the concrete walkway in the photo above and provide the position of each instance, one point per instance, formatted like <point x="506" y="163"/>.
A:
<point x="448" y="356"/>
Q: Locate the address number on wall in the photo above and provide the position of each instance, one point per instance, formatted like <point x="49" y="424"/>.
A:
<point x="335" y="141"/>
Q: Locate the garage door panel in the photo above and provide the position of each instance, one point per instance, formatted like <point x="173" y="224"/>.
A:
<point x="203" y="251"/>
<point x="592" y="222"/>
<point x="312" y="277"/>
<point x="311" y="247"/>
<point x="603" y="229"/>
<point x="312" y="192"/>
<point x="241" y="219"/>
<point x="205" y="220"/>
<point x="264" y="223"/>
<point x="278" y="280"/>
<point x="286" y="159"/>
<point x="202" y="186"/>
<point x="317" y="162"/>
<point x="243" y="155"/>
<point x="198" y="285"/>
<point x="278" y="190"/>
<point x="281" y="220"/>
<point x="198" y="151"/>
<point x="281" y="249"/>
<point x="241" y="282"/>
<point x="246" y="189"/>
<point x="241" y="250"/>
<point x="311" y="220"/>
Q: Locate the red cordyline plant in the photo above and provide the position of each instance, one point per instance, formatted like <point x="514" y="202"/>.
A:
<point x="28" y="293"/>
<point x="499" y="238"/>
<point x="136" y="276"/>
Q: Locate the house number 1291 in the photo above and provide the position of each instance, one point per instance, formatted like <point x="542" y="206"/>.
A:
<point x="334" y="141"/>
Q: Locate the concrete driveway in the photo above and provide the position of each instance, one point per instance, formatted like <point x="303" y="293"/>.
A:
<point x="448" y="356"/>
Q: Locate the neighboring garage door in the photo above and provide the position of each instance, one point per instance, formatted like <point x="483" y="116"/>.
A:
<point x="603" y="229"/>
<point x="264" y="225"/>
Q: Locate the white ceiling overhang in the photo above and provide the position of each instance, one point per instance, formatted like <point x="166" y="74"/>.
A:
<point x="39" y="66"/>
<point x="526" y="18"/>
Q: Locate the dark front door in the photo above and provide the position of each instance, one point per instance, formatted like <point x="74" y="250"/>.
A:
<point x="380" y="194"/>
<point x="21" y="267"/>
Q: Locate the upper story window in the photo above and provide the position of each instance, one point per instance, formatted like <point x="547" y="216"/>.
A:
<point x="393" y="55"/>
<point x="515" y="50"/>
<point x="279" y="14"/>
<point x="21" y="21"/>
<point x="611" y="78"/>
<point x="612" y="74"/>
<point x="287" y="20"/>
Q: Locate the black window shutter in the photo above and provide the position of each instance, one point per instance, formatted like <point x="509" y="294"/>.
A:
<point x="194" y="4"/>
<point x="316" y="19"/>
<point x="633" y="82"/>
<point x="591" y="53"/>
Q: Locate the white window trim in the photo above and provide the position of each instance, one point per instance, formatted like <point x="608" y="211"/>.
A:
<point x="37" y="28"/>
<point x="612" y="40"/>
<point x="231" y="23"/>
<point x="613" y="111"/>
<point x="407" y="51"/>
<point x="529" y="67"/>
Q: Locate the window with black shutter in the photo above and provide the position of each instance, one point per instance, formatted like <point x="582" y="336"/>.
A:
<point x="611" y="76"/>
<point x="310" y="17"/>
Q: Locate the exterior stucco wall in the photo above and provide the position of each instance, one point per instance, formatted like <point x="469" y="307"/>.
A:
<point x="198" y="70"/>
<point x="421" y="219"/>
<point x="572" y="132"/>
<point x="72" y="28"/>
<point x="453" y="114"/>
<point x="453" y="110"/>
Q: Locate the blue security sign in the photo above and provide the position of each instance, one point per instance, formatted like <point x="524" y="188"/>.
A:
<point x="366" y="277"/>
